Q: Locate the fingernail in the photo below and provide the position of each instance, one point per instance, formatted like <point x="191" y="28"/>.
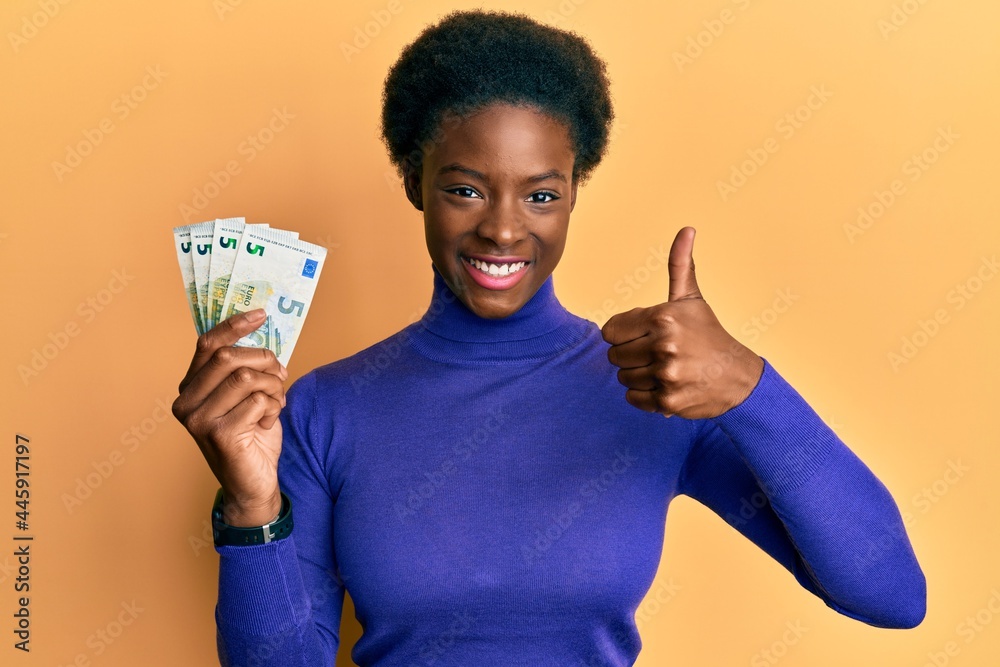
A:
<point x="284" y="371"/>
<point x="255" y="315"/>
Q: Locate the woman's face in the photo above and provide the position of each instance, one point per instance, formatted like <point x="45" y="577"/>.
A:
<point x="496" y="189"/>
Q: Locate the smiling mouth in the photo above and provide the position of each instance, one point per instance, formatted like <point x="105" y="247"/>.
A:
<point x="496" y="270"/>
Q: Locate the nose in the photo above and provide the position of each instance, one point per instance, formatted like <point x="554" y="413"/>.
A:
<point x="503" y="222"/>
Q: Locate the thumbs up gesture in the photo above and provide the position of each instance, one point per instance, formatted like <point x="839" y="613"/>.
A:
<point x="676" y="358"/>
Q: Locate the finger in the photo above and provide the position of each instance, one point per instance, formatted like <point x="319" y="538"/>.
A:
<point x="265" y="412"/>
<point x="270" y="416"/>
<point x="235" y="388"/>
<point x="633" y="354"/>
<point x="638" y="378"/>
<point x="683" y="284"/>
<point x="224" y="363"/>
<point x="624" y="327"/>
<point x="232" y="432"/>
<point x="223" y="334"/>
<point x="643" y="399"/>
<point x="256" y="409"/>
<point x="648" y="401"/>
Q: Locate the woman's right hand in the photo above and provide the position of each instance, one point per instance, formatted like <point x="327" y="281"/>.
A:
<point x="229" y="402"/>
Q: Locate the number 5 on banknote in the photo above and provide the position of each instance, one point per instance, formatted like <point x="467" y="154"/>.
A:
<point x="240" y="267"/>
<point x="278" y="274"/>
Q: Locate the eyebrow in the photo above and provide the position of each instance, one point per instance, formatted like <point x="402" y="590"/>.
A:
<point x="552" y="173"/>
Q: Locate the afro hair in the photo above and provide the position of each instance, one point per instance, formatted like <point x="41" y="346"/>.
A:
<point x="472" y="59"/>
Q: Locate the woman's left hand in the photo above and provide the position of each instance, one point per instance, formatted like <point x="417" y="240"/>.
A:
<point x="676" y="358"/>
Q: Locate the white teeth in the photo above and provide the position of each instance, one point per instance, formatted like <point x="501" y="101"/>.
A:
<point x="495" y="270"/>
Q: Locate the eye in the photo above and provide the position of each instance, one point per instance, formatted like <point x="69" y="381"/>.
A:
<point x="552" y="197"/>
<point x="463" y="189"/>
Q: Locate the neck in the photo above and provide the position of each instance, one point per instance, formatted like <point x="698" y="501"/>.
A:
<point x="540" y="328"/>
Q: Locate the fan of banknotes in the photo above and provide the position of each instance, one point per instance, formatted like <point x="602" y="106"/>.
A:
<point x="231" y="267"/>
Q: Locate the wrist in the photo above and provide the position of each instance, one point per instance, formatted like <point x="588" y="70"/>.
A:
<point x="262" y="531"/>
<point x="752" y="370"/>
<point x="252" y="514"/>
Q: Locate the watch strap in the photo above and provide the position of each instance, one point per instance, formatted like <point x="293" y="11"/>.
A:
<point x="226" y="535"/>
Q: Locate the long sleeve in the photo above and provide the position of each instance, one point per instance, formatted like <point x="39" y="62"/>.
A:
<point x="429" y="472"/>
<point x="280" y="603"/>
<point x="777" y="473"/>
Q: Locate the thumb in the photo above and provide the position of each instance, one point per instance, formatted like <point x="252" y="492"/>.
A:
<point x="683" y="284"/>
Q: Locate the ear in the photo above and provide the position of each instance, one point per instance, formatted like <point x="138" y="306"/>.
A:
<point x="412" y="185"/>
<point x="572" y="197"/>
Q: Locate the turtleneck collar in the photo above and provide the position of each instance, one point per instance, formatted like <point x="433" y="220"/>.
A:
<point x="449" y="331"/>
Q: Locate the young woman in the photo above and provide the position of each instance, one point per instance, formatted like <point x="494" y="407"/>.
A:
<point x="480" y="481"/>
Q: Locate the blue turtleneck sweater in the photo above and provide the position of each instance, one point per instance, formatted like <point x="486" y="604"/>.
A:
<point x="488" y="497"/>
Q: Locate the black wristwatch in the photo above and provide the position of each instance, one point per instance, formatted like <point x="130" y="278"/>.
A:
<point x="226" y="535"/>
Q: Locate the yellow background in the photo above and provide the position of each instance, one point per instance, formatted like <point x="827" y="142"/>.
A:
<point x="895" y="74"/>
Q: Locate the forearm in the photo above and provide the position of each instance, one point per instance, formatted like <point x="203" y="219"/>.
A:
<point x="264" y="613"/>
<point x="842" y="521"/>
